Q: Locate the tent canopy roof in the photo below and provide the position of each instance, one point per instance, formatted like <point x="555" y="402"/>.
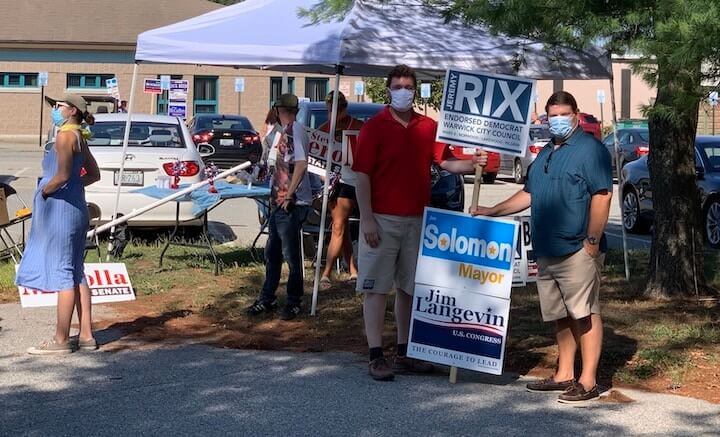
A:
<point x="372" y="37"/>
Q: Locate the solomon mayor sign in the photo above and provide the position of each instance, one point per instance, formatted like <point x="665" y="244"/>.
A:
<point x="462" y="292"/>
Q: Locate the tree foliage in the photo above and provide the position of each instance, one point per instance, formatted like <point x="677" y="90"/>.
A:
<point x="376" y="89"/>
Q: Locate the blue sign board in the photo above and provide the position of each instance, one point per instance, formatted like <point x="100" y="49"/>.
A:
<point x="486" y="110"/>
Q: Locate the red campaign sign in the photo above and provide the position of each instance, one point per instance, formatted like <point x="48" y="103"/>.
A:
<point x="152" y="86"/>
<point x="319" y="143"/>
<point x="108" y="282"/>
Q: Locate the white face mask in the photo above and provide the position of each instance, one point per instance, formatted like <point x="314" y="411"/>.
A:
<point x="402" y="100"/>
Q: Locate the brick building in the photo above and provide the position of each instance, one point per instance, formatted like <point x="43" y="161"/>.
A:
<point x="81" y="43"/>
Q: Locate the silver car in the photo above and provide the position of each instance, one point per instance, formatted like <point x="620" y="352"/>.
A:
<point x="518" y="167"/>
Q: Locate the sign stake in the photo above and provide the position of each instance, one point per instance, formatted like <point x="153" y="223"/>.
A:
<point x="473" y="205"/>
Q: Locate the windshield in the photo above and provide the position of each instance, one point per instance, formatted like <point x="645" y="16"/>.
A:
<point x="644" y="135"/>
<point x="711" y="154"/>
<point x="144" y="134"/>
<point x="540" y="133"/>
<point x="225" y="123"/>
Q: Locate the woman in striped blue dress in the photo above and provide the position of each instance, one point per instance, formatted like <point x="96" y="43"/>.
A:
<point x="53" y="257"/>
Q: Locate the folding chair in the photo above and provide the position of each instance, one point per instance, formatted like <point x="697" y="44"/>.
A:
<point x="13" y="249"/>
<point x="93" y="242"/>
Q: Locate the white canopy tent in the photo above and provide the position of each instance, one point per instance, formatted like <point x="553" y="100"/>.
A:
<point x="373" y="37"/>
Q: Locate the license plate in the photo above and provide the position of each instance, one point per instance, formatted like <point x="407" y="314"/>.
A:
<point x="227" y="143"/>
<point x="131" y="178"/>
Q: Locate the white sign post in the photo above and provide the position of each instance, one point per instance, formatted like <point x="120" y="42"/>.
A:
<point x="713" y="100"/>
<point x="425" y="92"/>
<point x="239" y="89"/>
<point x="601" y="101"/>
<point x="112" y="88"/>
<point x="359" y="89"/>
<point x="462" y="290"/>
<point x="42" y="83"/>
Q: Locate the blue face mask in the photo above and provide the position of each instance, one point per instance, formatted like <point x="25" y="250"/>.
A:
<point x="561" y="126"/>
<point x="57" y="117"/>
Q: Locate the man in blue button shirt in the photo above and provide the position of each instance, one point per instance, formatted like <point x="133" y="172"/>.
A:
<point x="569" y="188"/>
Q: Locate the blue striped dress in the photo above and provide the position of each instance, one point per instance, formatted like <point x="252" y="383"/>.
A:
<point x="53" y="257"/>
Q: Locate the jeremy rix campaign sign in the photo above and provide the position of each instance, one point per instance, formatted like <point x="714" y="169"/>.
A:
<point x="486" y="110"/>
<point x="463" y="281"/>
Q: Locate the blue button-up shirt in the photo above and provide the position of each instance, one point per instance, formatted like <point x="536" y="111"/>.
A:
<point x="561" y="182"/>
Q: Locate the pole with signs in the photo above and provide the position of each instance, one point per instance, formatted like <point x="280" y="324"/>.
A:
<point x="165" y="87"/>
<point x="42" y="82"/>
<point x="239" y="89"/>
<point x="601" y="100"/>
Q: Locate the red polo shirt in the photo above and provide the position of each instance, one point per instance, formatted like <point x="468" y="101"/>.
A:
<point x="397" y="159"/>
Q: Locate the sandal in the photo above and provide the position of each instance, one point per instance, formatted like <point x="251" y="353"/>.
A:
<point x="325" y="283"/>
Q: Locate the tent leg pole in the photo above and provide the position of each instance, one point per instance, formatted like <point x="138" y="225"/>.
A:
<point x="126" y="137"/>
<point x="619" y="177"/>
<point x="326" y="188"/>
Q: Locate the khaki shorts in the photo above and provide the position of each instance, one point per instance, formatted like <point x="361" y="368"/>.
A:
<point x="392" y="263"/>
<point x="569" y="286"/>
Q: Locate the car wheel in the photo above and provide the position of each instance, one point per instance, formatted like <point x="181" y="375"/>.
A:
<point x="631" y="213"/>
<point x="518" y="172"/>
<point x="489" y="178"/>
<point x="712" y="222"/>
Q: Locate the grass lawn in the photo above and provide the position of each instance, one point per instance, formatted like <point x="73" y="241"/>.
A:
<point x="663" y="346"/>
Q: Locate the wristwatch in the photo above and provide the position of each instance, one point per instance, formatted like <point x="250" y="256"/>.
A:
<point x="592" y="240"/>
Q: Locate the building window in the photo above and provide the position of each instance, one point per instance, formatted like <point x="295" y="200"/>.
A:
<point x="205" y="95"/>
<point x="316" y="88"/>
<point x="161" y="107"/>
<point x="276" y="87"/>
<point x="19" y="80"/>
<point x="92" y="81"/>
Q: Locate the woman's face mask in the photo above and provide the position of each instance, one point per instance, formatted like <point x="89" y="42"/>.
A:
<point x="58" y="118"/>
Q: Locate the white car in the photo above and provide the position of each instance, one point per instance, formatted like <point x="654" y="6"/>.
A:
<point x="155" y="143"/>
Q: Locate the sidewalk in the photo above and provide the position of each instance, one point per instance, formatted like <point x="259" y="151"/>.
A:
<point x="196" y="389"/>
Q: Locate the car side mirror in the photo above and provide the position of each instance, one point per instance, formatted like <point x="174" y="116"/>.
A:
<point x="205" y="150"/>
<point x="699" y="172"/>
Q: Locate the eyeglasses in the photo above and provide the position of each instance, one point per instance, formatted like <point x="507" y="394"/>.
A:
<point x="59" y="105"/>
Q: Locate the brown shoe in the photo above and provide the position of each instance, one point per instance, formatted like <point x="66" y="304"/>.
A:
<point x="380" y="371"/>
<point x="411" y="365"/>
<point x="548" y="385"/>
<point x="577" y="394"/>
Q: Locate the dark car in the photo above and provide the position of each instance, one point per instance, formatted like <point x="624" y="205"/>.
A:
<point x="448" y="189"/>
<point x="637" y="195"/>
<point x="633" y="143"/>
<point x="232" y="139"/>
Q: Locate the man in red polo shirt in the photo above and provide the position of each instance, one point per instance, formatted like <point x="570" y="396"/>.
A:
<point x="395" y="151"/>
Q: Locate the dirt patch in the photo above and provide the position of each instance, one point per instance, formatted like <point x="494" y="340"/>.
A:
<point x="178" y="316"/>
